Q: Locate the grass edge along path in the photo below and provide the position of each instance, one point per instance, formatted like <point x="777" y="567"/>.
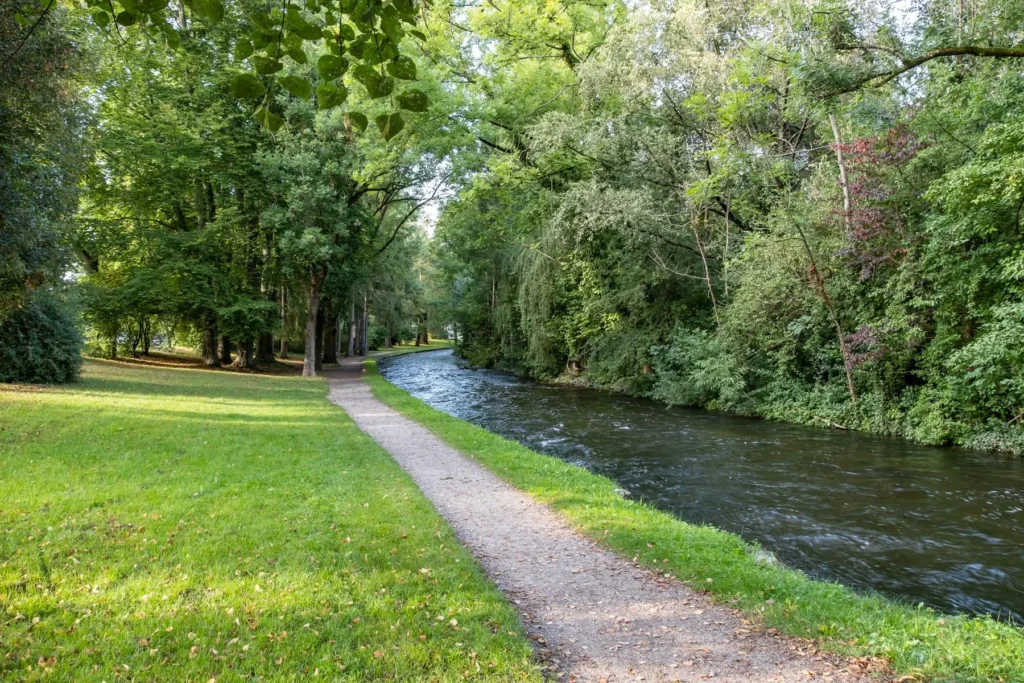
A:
<point x="181" y="524"/>
<point x="919" y="642"/>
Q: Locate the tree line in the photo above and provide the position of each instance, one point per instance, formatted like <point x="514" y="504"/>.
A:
<point x="802" y="211"/>
<point x="171" y="206"/>
<point x="806" y="211"/>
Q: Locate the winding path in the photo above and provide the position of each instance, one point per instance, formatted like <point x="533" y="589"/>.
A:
<point x="594" y="616"/>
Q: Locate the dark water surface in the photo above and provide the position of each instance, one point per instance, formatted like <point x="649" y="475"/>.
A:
<point x="939" y="526"/>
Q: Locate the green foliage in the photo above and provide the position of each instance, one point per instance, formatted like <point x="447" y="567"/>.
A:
<point x="40" y="343"/>
<point x="41" y="150"/>
<point x="369" y="34"/>
<point x="697" y="369"/>
<point x="675" y="227"/>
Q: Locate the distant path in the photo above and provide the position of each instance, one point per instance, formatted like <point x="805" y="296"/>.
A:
<point x="595" y="616"/>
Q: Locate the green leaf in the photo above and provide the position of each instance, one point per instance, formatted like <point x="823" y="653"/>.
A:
<point x="390" y="25"/>
<point x="298" y="55"/>
<point x="403" y="68"/>
<point x="309" y="32"/>
<point x="211" y="10"/>
<point x="262" y="19"/>
<point x="125" y="18"/>
<point x="299" y="87"/>
<point x="414" y="100"/>
<point x="376" y="85"/>
<point x="268" y="119"/>
<point x="247" y="87"/>
<point x="418" y="34"/>
<point x="149" y="6"/>
<point x="173" y="39"/>
<point x="357" y="120"/>
<point x="346" y="32"/>
<point x="390" y="125"/>
<point x="267" y="66"/>
<point x="329" y="96"/>
<point x="243" y="49"/>
<point x="260" y="38"/>
<point x="101" y="18"/>
<point x="331" y="67"/>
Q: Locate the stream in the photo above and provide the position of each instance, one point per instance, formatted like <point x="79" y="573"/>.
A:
<point x="940" y="526"/>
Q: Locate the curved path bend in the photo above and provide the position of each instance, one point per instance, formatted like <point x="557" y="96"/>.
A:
<point x="593" y="615"/>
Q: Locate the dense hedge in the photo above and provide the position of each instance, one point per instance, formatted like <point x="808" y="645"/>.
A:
<point x="40" y="343"/>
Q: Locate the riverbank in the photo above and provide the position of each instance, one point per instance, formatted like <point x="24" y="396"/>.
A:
<point x="174" y="524"/>
<point x="822" y="407"/>
<point x="917" y="641"/>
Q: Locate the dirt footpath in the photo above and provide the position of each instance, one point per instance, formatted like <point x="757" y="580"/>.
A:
<point x="593" y="615"/>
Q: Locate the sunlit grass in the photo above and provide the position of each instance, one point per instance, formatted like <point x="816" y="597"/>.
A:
<point x="917" y="641"/>
<point x="433" y="345"/>
<point x="174" y="524"/>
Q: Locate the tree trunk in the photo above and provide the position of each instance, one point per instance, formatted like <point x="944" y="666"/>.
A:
<point x="819" y="284"/>
<point x="843" y="179"/>
<point x="244" y="356"/>
<point x="265" y="348"/>
<point x="113" y="344"/>
<point x="210" y="341"/>
<point x="320" y="338"/>
<point x="331" y="334"/>
<point x="284" y="340"/>
<point x="147" y="337"/>
<point x="366" y="327"/>
<point x="312" y="308"/>
<point x="352" y="331"/>
<point x="225" y="351"/>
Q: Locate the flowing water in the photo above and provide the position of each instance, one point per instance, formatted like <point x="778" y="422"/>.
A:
<point x="940" y="526"/>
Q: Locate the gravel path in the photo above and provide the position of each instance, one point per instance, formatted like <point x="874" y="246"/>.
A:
<point x="594" y="616"/>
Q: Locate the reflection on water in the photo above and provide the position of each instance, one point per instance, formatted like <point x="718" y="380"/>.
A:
<point x="939" y="526"/>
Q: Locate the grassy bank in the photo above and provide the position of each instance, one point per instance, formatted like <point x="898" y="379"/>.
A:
<point x="171" y="524"/>
<point x="401" y="349"/>
<point x="917" y="641"/>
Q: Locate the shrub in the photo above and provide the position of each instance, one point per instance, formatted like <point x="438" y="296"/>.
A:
<point x="40" y="343"/>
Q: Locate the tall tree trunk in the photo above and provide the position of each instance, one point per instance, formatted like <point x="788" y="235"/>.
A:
<point x="179" y="217"/>
<point x="843" y="179"/>
<point x="707" y="270"/>
<point x="352" y="330"/>
<point x="265" y="348"/>
<point x="819" y="284"/>
<point x="113" y="343"/>
<point x="366" y="327"/>
<point x="147" y="336"/>
<point x="316" y="282"/>
<point x="284" y="339"/>
<point x="225" y="350"/>
<point x="244" y="356"/>
<point x="210" y="341"/>
<point x="331" y="335"/>
<point x="320" y="338"/>
<point x="200" y="198"/>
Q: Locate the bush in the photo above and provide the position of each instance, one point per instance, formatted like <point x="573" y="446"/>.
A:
<point x="697" y="368"/>
<point x="40" y="343"/>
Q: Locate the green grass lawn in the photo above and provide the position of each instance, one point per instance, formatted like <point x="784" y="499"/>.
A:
<point x="917" y="641"/>
<point x="434" y="345"/>
<point x="190" y="525"/>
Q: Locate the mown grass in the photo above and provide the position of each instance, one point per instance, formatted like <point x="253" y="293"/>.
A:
<point x="190" y="525"/>
<point x="918" y="642"/>
<point x="401" y="349"/>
